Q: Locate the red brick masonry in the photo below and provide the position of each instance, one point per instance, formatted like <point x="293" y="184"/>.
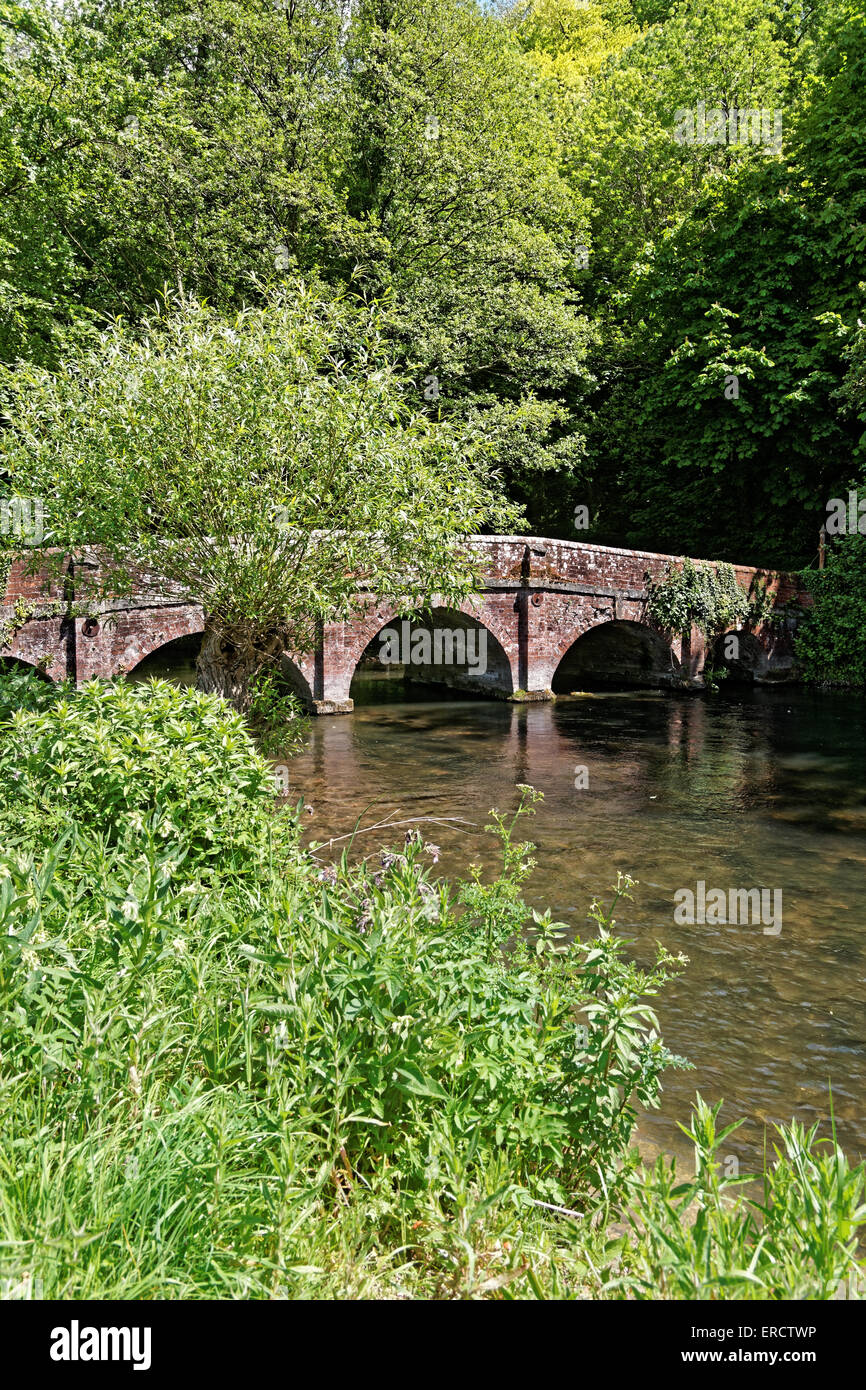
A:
<point x="538" y="597"/>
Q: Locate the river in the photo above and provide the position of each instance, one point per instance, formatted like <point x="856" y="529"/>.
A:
<point x="745" y="789"/>
<point x="749" y="788"/>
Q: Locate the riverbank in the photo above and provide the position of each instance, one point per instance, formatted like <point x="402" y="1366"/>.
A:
<point x="231" y="1070"/>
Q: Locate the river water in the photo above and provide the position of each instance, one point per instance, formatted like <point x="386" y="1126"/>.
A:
<point x="748" y="789"/>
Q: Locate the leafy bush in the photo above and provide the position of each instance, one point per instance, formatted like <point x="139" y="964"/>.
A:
<point x="441" y="1049"/>
<point x="107" y="756"/>
<point x="829" y="645"/>
<point x="22" y="688"/>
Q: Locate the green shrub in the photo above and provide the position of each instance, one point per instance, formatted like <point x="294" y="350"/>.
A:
<point x="21" y="688"/>
<point x="108" y="756"/>
<point x="830" y="646"/>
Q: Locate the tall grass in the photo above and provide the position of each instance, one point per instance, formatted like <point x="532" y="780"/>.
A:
<point x="240" y="1074"/>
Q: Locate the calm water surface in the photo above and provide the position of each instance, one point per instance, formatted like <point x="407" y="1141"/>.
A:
<point x="763" y="789"/>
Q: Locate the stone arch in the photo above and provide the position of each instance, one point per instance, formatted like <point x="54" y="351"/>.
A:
<point x="115" y="643"/>
<point x="10" y="663"/>
<point x="614" y="654"/>
<point x="178" y="652"/>
<point x="465" y="651"/>
<point x="158" y="631"/>
<point x="186" y="647"/>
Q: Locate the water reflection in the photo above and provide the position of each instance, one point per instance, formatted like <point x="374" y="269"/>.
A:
<point x="761" y="789"/>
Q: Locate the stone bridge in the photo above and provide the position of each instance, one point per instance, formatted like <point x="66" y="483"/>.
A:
<point x="558" y="616"/>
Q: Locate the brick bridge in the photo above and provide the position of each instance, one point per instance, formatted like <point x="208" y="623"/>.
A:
<point x="558" y="615"/>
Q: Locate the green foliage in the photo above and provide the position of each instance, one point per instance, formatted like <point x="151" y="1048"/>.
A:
<point x="750" y="271"/>
<point x="276" y="714"/>
<point x="404" y="156"/>
<point x="622" y="153"/>
<point x="453" y="164"/>
<point x="705" y="596"/>
<point x="696" y="1240"/>
<point x="829" y="645"/>
<point x="116" y="758"/>
<point x="440" y="1049"/>
<point x="853" y="390"/>
<point x="22" y="689"/>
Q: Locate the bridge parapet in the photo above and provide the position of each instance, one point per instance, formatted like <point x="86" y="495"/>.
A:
<point x="537" y="597"/>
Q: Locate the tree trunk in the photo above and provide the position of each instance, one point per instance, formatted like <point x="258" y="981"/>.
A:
<point x="227" y="665"/>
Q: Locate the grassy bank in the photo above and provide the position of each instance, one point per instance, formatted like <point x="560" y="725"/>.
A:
<point x="229" y="1070"/>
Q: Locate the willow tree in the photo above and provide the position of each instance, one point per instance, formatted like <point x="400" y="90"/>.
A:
<point x="268" y="465"/>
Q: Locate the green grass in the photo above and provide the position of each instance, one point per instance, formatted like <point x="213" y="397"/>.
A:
<point x="241" y="1074"/>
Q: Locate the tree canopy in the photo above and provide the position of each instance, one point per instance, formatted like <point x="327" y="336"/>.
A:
<point x="267" y="464"/>
<point x="621" y="239"/>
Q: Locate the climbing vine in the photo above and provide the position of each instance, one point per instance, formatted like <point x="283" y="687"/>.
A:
<point x="7" y="560"/>
<point x="704" y="596"/>
<point x="709" y="598"/>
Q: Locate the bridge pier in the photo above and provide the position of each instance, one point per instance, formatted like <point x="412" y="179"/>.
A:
<point x="537" y="598"/>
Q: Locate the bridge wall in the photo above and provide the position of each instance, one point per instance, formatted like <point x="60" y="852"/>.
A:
<point x="538" y="597"/>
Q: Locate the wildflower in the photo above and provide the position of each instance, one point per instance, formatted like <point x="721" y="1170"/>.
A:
<point x="434" y="852"/>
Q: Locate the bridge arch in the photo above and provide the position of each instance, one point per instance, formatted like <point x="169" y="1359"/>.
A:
<point x="11" y="663"/>
<point x="616" y="653"/>
<point x="115" y="644"/>
<point x="174" y="659"/>
<point x="741" y="654"/>
<point x="179" y="655"/>
<point x="457" y="648"/>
